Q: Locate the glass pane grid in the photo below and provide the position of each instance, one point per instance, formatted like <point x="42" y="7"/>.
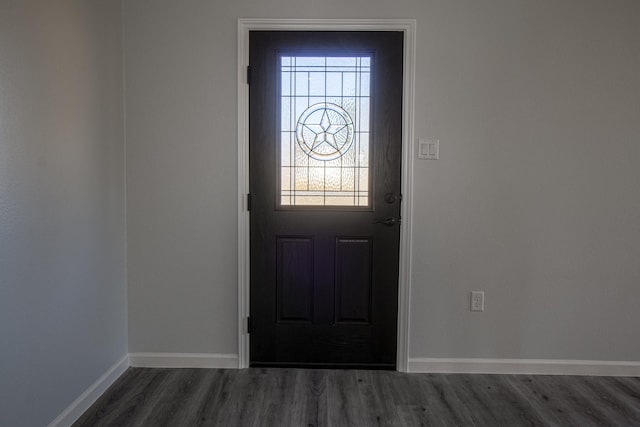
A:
<point x="324" y="153"/>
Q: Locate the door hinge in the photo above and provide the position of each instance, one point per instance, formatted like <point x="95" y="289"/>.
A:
<point x="249" y="199"/>
<point x="248" y="325"/>
<point x="248" y="74"/>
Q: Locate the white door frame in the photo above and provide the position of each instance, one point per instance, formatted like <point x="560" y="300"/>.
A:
<point x="408" y="26"/>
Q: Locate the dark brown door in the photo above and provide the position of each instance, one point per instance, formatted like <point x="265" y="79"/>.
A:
<point x="325" y="162"/>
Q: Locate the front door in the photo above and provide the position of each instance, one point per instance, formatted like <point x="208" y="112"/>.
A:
<point x="325" y="164"/>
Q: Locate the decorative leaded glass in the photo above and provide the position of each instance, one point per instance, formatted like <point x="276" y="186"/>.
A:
<point x="324" y="149"/>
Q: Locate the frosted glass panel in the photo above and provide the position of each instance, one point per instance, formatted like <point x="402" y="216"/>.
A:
<point x="324" y="153"/>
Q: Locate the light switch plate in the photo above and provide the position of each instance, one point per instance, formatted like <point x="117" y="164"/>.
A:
<point x="429" y="149"/>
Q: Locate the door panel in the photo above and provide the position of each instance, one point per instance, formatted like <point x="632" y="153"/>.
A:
<point x="295" y="279"/>
<point x="325" y="149"/>
<point x="353" y="280"/>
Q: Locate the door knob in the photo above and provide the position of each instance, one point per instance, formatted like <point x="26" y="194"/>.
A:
<point x="389" y="222"/>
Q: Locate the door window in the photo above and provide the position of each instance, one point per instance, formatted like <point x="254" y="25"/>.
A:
<point x="324" y="135"/>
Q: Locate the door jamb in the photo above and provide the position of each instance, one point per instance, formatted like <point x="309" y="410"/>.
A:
<point x="408" y="27"/>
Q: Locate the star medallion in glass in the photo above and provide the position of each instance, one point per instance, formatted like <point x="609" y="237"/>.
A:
<point x="324" y="143"/>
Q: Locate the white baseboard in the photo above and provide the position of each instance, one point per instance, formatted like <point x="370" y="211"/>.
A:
<point x="91" y="394"/>
<point x="525" y="366"/>
<point x="183" y="360"/>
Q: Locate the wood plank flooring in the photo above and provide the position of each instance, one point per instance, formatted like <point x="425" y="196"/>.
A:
<point x="314" y="398"/>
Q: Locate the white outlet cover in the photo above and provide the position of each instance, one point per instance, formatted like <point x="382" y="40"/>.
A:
<point x="477" y="301"/>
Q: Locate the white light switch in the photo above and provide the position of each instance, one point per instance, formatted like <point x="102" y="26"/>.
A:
<point x="429" y="149"/>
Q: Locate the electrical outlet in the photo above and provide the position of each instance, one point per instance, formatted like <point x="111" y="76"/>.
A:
<point x="477" y="301"/>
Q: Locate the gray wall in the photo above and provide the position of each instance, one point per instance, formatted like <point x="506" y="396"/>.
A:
<point x="62" y="233"/>
<point x="534" y="200"/>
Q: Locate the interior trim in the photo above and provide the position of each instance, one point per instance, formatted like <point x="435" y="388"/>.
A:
<point x="91" y="394"/>
<point x="183" y="360"/>
<point x="525" y="367"/>
<point x="408" y="26"/>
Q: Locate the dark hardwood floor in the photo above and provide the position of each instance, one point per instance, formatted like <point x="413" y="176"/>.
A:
<point x="305" y="397"/>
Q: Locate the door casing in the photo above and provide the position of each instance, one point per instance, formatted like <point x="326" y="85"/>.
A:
<point x="408" y="27"/>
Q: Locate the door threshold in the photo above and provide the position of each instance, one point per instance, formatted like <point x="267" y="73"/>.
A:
<point x="306" y="365"/>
